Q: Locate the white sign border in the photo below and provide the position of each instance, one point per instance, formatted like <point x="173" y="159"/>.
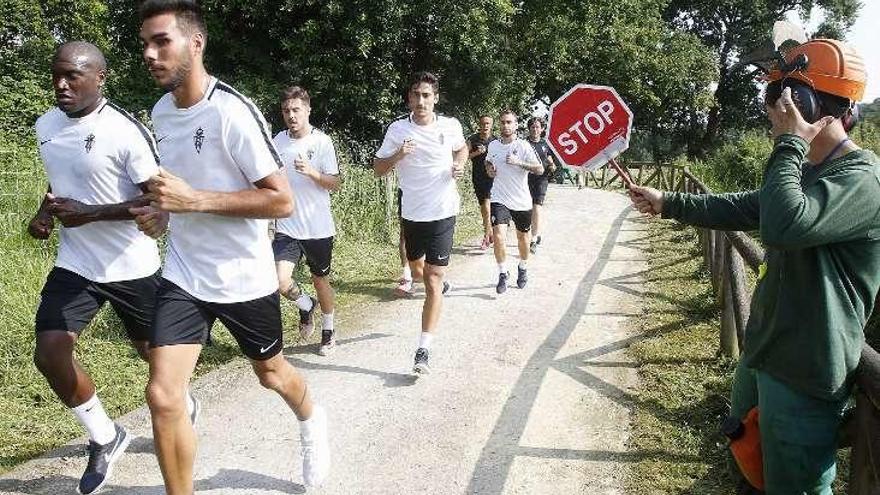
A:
<point x="603" y="156"/>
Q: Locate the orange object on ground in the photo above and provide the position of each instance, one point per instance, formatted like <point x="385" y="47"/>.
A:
<point x="745" y="444"/>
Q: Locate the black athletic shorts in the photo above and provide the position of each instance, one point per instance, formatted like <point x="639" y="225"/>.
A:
<point x="69" y="301"/>
<point x="538" y="188"/>
<point x="399" y="203"/>
<point x="501" y="215"/>
<point x="183" y="319"/>
<point x="318" y="252"/>
<point x="483" y="189"/>
<point x="433" y="240"/>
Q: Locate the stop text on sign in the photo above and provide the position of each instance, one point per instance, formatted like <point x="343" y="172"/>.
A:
<point x="593" y="123"/>
<point x="589" y="126"/>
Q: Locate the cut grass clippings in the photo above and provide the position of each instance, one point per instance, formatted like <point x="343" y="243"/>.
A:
<point x="684" y="388"/>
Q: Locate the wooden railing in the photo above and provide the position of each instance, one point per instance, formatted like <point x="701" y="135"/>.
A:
<point x="726" y="254"/>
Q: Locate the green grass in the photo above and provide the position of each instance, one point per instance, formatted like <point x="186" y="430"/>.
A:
<point x="32" y="420"/>
<point x="685" y="384"/>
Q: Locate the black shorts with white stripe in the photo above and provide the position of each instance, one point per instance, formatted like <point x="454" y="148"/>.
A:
<point x="183" y="319"/>
<point x="318" y="252"/>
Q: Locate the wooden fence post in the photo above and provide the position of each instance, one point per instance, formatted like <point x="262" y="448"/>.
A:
<point x="729" y="341"/>
<point x="739" y="293"/>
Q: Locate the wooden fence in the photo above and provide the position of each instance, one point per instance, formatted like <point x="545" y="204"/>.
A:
<point x="727" y="254"/>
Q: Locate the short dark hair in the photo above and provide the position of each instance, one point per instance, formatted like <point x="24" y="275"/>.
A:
<point x="532" y="120"/>
<point x="294" y="92"/>
<point x="424" y="77"/>
<point x="508" y="111"/>
<point x="187" y="12"/>
<point x="485" y="116"/>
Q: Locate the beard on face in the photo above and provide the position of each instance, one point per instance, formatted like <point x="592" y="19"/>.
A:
<point x="179" y="74"/>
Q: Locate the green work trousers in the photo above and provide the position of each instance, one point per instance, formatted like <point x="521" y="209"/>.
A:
<point x="798" y="432"/>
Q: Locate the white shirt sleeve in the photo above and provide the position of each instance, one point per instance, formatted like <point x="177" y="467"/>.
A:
<point x="141" y="155"/>
<point x="329" y="163"/>
<point x="528" y="153"/>
<point x="457" y="135"/>
<point x="390" y="144"/>
<point x="247" y="137"/>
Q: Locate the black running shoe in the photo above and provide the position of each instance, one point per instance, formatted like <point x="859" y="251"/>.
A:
<point x="521" y="277"/>
<point x="101" y="460"/>
<point x="328" y="342"/>
<point x="446" y="287"/>
<point x="502" y="283"/>
<point x="533" y="247"/>
<point x="307" y="320"/>
<point x="421" y="362"/>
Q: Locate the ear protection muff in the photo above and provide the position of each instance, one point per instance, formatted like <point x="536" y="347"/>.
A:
<point x="851" y="117"/>
<point x="804" y="97"/>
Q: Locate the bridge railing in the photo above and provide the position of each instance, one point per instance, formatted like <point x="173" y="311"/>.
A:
<point x="727" y="254"/>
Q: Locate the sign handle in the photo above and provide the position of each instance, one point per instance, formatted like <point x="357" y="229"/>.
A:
<point x="623" y="175"/>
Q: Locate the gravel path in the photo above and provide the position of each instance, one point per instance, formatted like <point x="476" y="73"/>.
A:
<point x="529" y="392"/>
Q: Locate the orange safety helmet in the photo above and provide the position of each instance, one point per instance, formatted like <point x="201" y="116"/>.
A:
<point x="826" y="65"/>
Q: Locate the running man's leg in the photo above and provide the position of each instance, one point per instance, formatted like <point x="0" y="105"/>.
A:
<point x="487" y="221"/>
<point x="171" y="368"/>
<point x="500" y="222"/>
<point x="256" y="326"/>
<point x="278" y="375"/>
<point x="522" y="220"/>
<point x="536" y="221"/>
<point x="522" y="241"/>
<point x="433" y="297"/>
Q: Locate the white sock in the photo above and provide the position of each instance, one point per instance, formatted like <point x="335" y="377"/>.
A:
<point x="308" y="427"/>
<point x="407" y="273"/>
<point x="425" y="340"/>
<point x="501" y="268"/>
<point x="304" y="302"/>
<point x="190" y="403"/>
<point x="93" y="417"/>
<point x="328" y="321"/>
<point x="522" y="264"/>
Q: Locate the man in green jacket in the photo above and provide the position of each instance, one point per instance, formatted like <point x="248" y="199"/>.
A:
<point x="818" y="214"/>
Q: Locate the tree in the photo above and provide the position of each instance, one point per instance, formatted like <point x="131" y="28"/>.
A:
<point x="663" y="74"/>
<point x="732" y="29"/>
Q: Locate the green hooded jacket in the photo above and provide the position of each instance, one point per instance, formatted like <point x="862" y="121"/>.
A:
<point x="820" y="226"/>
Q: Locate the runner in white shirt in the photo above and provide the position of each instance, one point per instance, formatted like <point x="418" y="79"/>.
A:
<point x="312" y="170"/>
<point x="220" y="181"/>
<point x="510" y="160"/>
<point x="97" y="158"/>
<point x="428" y="151"/>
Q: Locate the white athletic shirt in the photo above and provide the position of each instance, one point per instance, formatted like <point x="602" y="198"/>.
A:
<point x="425" y="175"/>
<point x="100" y="159"/>
<point x="312" y="218"/>
<point x="221" y="143"/>
<point x="511" y="185"/>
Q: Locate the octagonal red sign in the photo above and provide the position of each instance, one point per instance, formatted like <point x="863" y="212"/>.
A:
<point x="589" y="125"/>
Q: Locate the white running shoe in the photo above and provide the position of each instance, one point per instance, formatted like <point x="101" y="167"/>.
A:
<point x="404" y="287"/>
<point x="315" y="447"/>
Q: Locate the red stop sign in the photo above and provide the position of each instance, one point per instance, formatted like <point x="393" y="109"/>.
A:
<point x="589" y="126"/>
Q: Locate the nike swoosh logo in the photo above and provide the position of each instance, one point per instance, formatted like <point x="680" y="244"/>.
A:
<point x="441" y="258"/>
<point x="44" y="142"/>
<point x="325" y="270"/>
<point x="159" y="140"/>
<point x="263" y="350"/>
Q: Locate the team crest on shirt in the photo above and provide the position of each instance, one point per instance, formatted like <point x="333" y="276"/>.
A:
<point x="199" y="139"/>
<point x="310" y="153"/>
<point x="90" y="141"/>
<point x="441" y="138"/>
